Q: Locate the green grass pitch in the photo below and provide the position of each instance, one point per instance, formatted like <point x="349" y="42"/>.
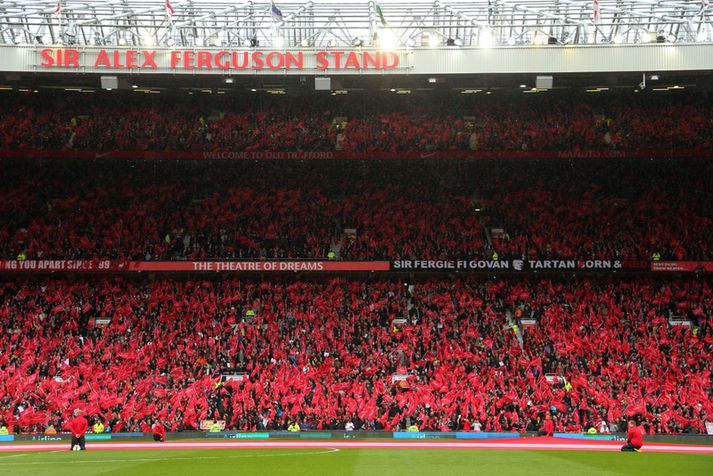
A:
<point x="294" y="462"/>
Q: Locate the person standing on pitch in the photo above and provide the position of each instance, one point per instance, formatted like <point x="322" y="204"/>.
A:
<point x="78" y="426"/>
<point x="634" y="438"/>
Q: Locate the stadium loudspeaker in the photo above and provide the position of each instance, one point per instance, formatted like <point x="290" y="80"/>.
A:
<point x="543" y="82"/>
<point x="109" y="82"/>
<point x="322" y="84"/>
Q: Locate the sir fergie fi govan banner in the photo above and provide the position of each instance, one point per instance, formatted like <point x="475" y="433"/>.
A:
<point x="518" y="265"/>
<point x="122" y="59"/>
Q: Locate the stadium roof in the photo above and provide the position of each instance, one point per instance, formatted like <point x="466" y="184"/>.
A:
<point x="325" y="24"/>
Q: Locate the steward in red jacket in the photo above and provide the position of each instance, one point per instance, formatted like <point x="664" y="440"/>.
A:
<point x="549" y="427"/>
<point x="78" y="426"/>
<point x="634" y="438"/>
<point x="159" y="432"/>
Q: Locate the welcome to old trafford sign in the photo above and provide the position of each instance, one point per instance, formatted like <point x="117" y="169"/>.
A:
<point x="121" y="59"/>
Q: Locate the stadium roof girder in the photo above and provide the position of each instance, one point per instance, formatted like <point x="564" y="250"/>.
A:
<point x="319" y="24"/>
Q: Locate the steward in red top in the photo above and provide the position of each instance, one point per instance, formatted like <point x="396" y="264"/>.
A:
<point x="159" y="432"/>
<point x="549" y="426"/>
<point x="78" y="426"/>
<point x="634" y="437"/>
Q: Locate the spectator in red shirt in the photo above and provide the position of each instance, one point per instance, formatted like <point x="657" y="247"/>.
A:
<point x="78" y="426"/>
<point x="634" y="438"/>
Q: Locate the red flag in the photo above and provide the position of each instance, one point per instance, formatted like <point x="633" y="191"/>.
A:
<point x="635" y="409"/>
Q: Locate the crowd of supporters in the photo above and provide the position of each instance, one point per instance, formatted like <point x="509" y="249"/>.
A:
<point x="324" y="352"/>
<point x="368" y="123"/>
<point x="334" y="353"/>
<point x="357" y="210"/>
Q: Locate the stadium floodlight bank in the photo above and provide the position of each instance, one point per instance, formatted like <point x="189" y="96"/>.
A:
<point x="419" y="38"/>
<point x="329" y="24"/>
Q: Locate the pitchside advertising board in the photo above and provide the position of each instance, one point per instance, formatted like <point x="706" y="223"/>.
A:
<point x="433" y="266"/>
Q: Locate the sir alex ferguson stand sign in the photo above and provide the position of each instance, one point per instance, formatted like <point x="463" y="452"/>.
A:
<point x="126" y="60"/>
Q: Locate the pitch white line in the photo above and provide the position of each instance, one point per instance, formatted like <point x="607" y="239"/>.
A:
<point x="15" y="456"/>
<point x="181" y="458"/>
<point x="197" y="445"/>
